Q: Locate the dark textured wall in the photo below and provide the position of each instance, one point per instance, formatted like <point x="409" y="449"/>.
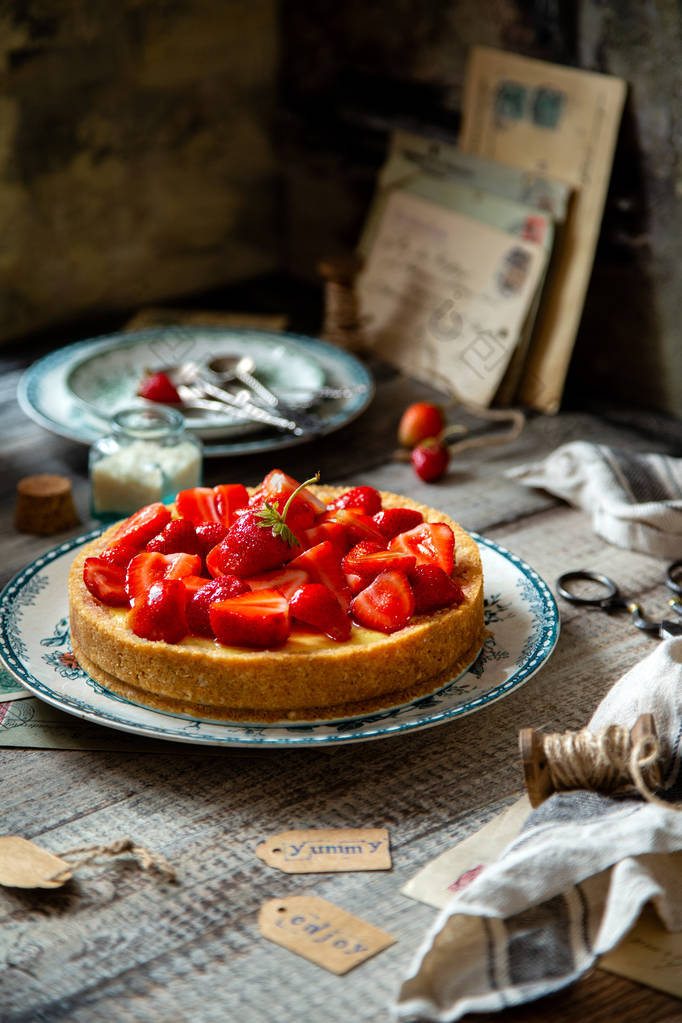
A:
<point x="630" y="343"/>
<point x="136" y="158"/>
<point x="350" y="74"/>
<point x="151" y="149"/>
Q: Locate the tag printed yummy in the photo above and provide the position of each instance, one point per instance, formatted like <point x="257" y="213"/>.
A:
<point x="25" y="865"/>
<point x="321" y="932"/>
<point x="324" y="850"/>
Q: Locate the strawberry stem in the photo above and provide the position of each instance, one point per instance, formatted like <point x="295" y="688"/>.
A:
<point x="276" y="521"/>
<point x="301" y="486"/>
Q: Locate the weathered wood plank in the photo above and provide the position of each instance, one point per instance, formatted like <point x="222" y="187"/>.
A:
<point x="119" y="944"/>
<point x="430" y="789"/>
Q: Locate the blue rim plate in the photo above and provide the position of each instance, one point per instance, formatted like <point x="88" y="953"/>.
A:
<point x="521" y="615"/>
<point x="45" y="394"/>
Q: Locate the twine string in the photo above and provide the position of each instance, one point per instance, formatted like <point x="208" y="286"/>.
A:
<point x="604" y="761"/>
<point x="146" y="859"/>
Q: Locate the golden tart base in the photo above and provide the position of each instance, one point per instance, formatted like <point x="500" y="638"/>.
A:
<point x="309" y="678"/>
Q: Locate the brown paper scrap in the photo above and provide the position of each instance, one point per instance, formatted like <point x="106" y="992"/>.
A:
<point x="322" y="850"/>
<point x="25" y="865"/>
<point x="321" y="932"/>
<point x="650" y="954"/>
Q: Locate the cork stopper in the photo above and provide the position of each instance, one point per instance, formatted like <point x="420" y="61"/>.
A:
<point x="44" y="505"/>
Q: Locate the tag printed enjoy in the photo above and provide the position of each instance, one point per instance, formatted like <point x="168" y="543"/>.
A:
<point x="325" y="850"/>
<point x="321" y="932"/>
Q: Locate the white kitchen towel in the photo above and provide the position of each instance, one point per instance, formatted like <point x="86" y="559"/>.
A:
<point x="634" y="500"/>
<point x="571" y="885"/>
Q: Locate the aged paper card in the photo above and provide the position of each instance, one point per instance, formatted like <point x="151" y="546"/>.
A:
<point x="650" y="954"/>
<point x="563" y="122"/>
<point x="321" y="932"/>
<point x="447" y="295"/>
<point x="320" y="850"/>
<point x="439" y="881"/>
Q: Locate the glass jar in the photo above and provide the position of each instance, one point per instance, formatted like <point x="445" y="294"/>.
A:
<point x="147" y="457"/>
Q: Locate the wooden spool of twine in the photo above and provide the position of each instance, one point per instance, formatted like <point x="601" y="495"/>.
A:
<point x="612" y="760"/>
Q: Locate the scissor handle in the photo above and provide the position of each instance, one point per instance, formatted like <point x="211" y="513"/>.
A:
<point x="610" y="600"/>
<point x="673" y="577"/>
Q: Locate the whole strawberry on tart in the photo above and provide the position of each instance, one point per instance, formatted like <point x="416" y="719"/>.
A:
<point x="285" y="602"/>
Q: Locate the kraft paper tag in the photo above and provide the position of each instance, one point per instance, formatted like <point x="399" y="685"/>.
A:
<point x="321" y="932"/>
<point x="25" y="865"/>
<point x="324" y="850"/>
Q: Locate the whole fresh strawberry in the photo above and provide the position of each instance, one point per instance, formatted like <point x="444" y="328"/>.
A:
<point x="159" y="387"/>
<point x="430" y="459"/>
<point x="258" y="540"/>
<point x="419" y="421"/>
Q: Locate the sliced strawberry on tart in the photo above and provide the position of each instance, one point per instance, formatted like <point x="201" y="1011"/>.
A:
<point x="287" y="601"/>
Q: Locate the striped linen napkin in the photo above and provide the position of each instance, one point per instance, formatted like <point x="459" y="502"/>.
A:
<point x="571" y="885"/>
<point x="635" y="500"/>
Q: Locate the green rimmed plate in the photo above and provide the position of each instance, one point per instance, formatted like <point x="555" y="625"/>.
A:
<point x="34" y="645"/>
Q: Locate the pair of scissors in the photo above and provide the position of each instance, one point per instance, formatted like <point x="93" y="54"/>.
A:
<point x="609" y="598"/>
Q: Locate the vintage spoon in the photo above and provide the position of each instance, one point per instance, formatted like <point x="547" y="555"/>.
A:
<point x="240" y="367"/>
<point x="197" y="397"/>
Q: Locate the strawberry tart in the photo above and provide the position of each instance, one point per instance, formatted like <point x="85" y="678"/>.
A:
<point x="287" y="602"/>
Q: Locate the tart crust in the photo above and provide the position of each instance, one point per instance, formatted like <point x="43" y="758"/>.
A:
<point x="309" y="678"/>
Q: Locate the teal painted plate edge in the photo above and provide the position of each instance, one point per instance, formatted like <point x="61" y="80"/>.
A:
<point x="537" y="641"/>
<point x="343" y="369"/>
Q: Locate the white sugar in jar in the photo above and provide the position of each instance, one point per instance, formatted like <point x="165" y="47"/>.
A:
<point x="147" y="457"/>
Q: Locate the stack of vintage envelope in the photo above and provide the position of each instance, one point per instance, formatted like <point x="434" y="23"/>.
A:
<point x="478" y="250"/>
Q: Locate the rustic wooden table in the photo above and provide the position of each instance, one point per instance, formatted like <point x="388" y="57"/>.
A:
<point x="120" y="944"/>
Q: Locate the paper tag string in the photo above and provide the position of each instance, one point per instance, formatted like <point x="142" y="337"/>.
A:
<point x="147" y="860"/>
<point x="514" y="418"/>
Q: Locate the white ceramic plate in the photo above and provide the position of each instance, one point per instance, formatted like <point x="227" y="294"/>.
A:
<point x="35" y="647"/>
<point x="74" y="391"/>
